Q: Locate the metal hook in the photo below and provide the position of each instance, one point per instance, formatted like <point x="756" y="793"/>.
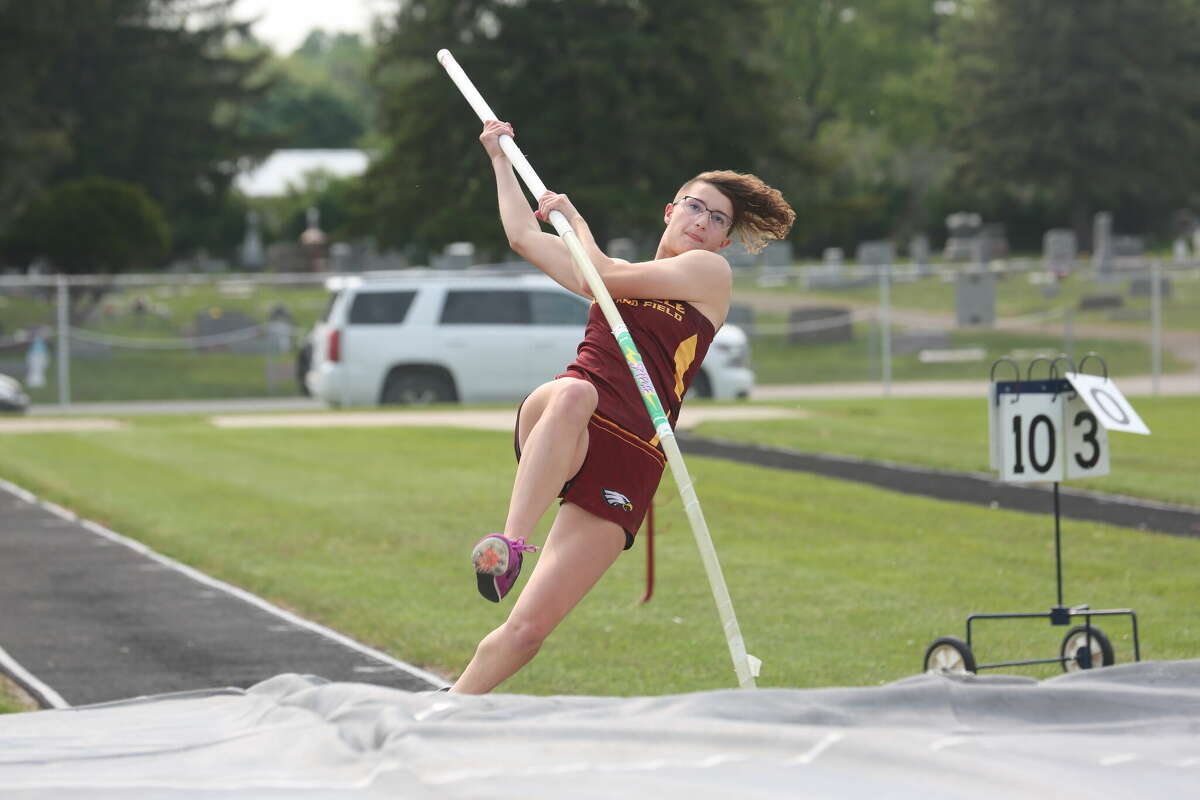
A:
<point x="1016" y="368"/>
<point x="1029" y="373"/>
<point x="1070" y="363"/>
<point x="1096" y="356"/>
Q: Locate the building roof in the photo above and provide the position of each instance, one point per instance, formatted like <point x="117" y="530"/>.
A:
<point x="285" y="168"/>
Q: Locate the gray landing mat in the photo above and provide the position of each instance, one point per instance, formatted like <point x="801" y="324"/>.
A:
<point x="1129" y="731"/>
<point x="96" y="620"/>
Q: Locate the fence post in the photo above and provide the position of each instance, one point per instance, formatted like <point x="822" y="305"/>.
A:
<point x="885" y="328"/>
<point x="1155" y="325"/>
<point x="64" y="347"/>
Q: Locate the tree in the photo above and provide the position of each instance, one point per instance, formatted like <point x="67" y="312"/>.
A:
<point x="93" y="225"/>
<point x="864" y="83"/>
<point x="615" y="101"/>
<point x="319" y="95"/>
<point x="144" y="91"/>
<point x="1080" y="105"/>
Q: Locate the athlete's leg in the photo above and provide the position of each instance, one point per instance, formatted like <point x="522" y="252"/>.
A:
<point x="578" y="550"/>
<point x="552" y="432"/>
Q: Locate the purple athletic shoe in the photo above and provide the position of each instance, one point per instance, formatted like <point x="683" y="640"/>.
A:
<point x="497" y="562"/>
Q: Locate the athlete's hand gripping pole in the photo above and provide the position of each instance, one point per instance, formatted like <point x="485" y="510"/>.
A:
<point x="744" y="664"/>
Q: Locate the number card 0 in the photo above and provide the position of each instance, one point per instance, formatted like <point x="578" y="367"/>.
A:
<point x="1105" y="400"/>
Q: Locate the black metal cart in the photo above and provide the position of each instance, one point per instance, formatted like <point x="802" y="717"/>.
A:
<point x="1083" y="646"/>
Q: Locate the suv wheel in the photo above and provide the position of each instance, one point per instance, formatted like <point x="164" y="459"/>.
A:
<point x="700" y="387"/>
<point x="417" y="388"/>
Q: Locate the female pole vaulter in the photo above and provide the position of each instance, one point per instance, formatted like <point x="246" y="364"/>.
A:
<point x="584" y="437"/>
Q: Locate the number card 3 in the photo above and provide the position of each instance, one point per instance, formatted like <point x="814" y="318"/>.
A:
<point x="1087" y="441"/>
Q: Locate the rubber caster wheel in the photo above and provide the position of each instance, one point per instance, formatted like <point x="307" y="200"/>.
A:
<point x="949" y="654"/>
<point x="1076" y="654"/>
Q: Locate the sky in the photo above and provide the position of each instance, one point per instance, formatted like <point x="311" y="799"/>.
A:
<point x="283" y="24"/>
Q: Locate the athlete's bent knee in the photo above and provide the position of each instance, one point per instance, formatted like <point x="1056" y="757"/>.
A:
<point x="574" y="400"/>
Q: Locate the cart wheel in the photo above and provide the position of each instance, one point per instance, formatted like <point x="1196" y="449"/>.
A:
<point x="949" y="654"/>
<point x="1076" y="641"/>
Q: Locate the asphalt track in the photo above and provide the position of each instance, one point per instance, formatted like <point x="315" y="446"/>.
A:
<point x="89" y="616"/>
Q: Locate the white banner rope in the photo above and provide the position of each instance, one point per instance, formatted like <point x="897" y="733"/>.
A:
<point x="185" y="343"/>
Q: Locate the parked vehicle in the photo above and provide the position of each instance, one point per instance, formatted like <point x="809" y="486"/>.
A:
<point x="437" y="338"/>
<point x="12" y="396"/>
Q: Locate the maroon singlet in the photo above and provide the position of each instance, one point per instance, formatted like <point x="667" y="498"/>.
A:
<point x="672" y="337"/>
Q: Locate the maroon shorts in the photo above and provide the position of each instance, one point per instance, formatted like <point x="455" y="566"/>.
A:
<point x="619" y="476"/>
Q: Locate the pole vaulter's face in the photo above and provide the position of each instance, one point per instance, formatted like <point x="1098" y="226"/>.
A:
<point x="699" y="219"/>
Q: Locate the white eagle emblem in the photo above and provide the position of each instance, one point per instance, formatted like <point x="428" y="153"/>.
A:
<point x="617" y="500"/>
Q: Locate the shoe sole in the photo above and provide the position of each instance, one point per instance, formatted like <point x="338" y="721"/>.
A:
<point x="494" y="551"/>
<point x="491" y="551"/>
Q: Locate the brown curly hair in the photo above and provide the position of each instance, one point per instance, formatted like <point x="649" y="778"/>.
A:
<point x="760" y="213"/>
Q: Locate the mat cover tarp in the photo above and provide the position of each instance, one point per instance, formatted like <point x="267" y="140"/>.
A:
<point x="1122" y="732"/>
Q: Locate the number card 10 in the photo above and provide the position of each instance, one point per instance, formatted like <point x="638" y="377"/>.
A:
<point x="1044" y="431"/>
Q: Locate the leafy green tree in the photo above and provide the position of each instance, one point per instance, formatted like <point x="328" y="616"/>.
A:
<point x="144" y="91"/>
<point x="865" y="84"/>
<point x="319" y="95"/>
<point x="1079" y="105"/>
<point x="91" y="225"/>
<point x="616" y="102"/>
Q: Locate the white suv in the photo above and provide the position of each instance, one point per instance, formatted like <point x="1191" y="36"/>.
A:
<point x="432" y="337"/>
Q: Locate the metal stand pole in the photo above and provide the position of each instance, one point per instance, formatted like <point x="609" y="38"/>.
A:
<point x="1058" y="545"/>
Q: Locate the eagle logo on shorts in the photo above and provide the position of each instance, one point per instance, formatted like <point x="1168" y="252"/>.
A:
<point x="617" y="500"/>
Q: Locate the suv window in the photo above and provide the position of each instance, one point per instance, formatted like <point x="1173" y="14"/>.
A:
<point x="556" y="308"/>
<point x="380" y="308"/>
<point x="473" y="307"/>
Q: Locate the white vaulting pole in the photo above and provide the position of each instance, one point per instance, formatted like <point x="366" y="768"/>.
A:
<point x="745" y="665"/>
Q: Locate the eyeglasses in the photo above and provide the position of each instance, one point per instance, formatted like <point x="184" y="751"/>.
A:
<point x="694" y="207"/>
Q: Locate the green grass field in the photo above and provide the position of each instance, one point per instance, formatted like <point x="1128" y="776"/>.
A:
<point x="12" y="699"/>
<point x="367" y="531"/>
<point x="951" y="433"/>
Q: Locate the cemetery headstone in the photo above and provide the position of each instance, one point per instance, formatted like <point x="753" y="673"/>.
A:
<point x="778" y="254"/>
<point x="993" y="238"/>
<point x="215" y="322"/>
<point x="622" y="248"/>
<point x="1059" y="249"/>
<point x="1128" y="246"/>
<point x="910" y="342"/>
<point x="1102" y="255"/>
<point x="918" y="253"/>
<point x="815" y="324"/>
<point x="315" y="243"/>
<point x="737" y="255"/>
<point x="742" y="316"/>
<point x="875" y="254"/>
<point x="964" y="228"/>
<point x="253" y="256"/>
<point x="1093" y="302"/>
<point x="975" y="299"/>
<point x="456" y="255"/>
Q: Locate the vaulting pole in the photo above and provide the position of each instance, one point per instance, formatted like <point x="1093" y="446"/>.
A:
<point x="744" y="664"/>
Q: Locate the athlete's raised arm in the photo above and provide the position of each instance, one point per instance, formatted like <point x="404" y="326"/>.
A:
<point x="545" y="251"/>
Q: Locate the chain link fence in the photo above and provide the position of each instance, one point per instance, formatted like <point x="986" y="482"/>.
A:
<point x="83" y="339"/>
